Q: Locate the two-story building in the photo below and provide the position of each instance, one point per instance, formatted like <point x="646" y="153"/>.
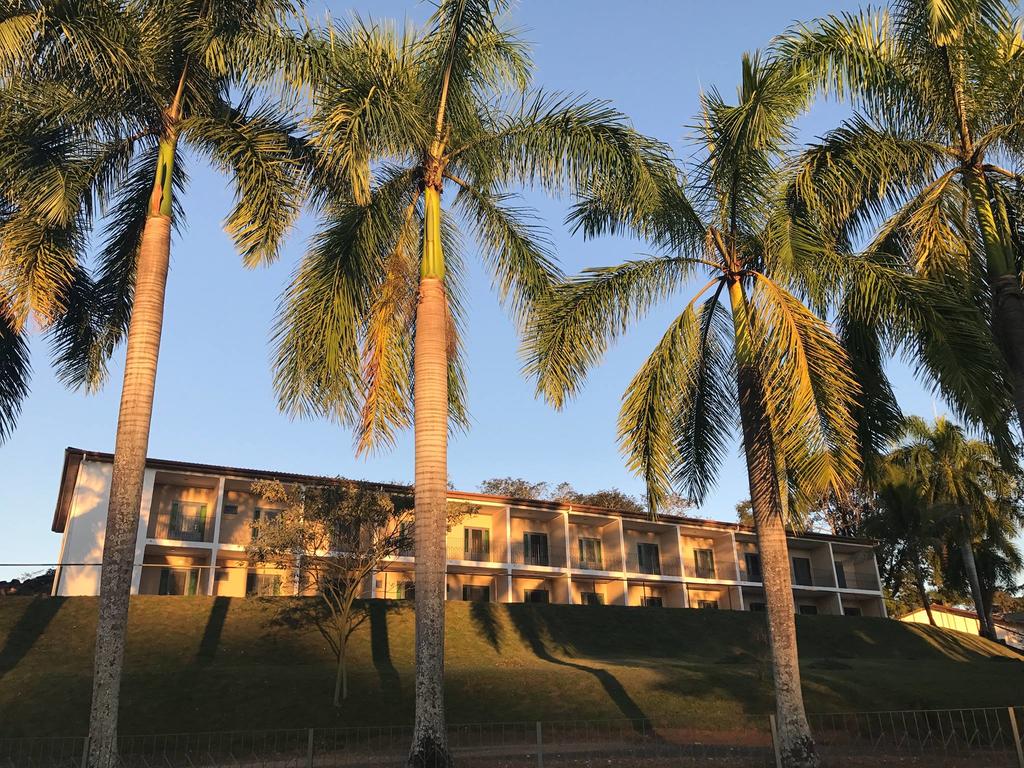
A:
<point x="196" y="520"/>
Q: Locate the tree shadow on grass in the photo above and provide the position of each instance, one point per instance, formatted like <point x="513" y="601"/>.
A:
<point x="482" y="615"/>
<point x="214" y="629"/>
<point x="528" y="624"/>
<point x="29" y="627"/>
<point x="380" y="646"/>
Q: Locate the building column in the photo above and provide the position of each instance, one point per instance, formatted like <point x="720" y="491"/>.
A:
<point x="145" y="509"/>
<point x="508" y="551"/>
<point x="568" y="556"/>
<point x="682" y="567"/>
<point x="878" y="577"/>
<point x="214" y="550"/>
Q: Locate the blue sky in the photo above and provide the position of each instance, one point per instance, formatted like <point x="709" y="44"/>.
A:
<point x="214" y="400"/>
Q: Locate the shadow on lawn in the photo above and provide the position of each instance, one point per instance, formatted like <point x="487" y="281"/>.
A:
<point x="380" y="646"/>
<point x="29" y="627"/>
<point x="214" y="629"/>
<point x="529" y="624"/>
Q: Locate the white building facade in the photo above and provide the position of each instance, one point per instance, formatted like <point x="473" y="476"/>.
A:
<point x="196" y="520"/>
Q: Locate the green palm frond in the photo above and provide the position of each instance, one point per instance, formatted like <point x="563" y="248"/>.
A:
<point x="258" y="152"/>
<point x="809" y="389"/>
<point x="514" y="245"/>
<point x="317" y="370"/>
<point x="15" y="372"/>
<point x="578" y="320"/>
<point x="678" y="411"/>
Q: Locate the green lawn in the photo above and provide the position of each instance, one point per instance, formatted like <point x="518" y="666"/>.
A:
<point x="200" y="664"/>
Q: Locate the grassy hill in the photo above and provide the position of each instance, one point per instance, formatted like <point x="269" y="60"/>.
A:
<point x="203" y="664"/>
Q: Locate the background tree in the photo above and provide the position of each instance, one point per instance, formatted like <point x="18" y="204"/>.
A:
<point x="375" y="305"/>
<point x="908" y="535"/>
<point x="336" y="536"/>
<point x="128" y="86"/>
<point x="516" y="487"/>
<point x="917" y="170"/>
<point x="963" y="482"/>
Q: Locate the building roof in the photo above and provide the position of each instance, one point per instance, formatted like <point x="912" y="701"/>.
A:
<point x="73" y="458"/>
<point x="1000" y="618"/>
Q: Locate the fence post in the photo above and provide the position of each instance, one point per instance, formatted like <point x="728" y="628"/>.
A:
<point x="309" y="750"/>
<point x="775" y="741"/>
<point x="85" y="752"/>
<point x="1016" y="737"/>
<point x="540" y="745"/>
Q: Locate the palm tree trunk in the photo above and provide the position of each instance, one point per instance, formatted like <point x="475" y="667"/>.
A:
<point x="921" y="591"/>
<point x="797" y="746"/>
<point x="1007" y="298"/>
<point x="430" y="364"/>
<point x="132" y="443"/>
<point x="971" y="568"/>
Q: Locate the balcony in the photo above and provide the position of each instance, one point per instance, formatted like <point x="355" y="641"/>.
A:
<point x="703" y="571"/>
<point x="855" y="580"/>
<point x="181" y="526"/>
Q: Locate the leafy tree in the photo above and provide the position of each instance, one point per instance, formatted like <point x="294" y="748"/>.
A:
<point x="745" y="347"/>
<point x="965" y="485"/>
<point x="907" y="531"/>
<point x="516" y="487"/>
<point x="610" y="498"/>
<point x="337" y="536"/>
<point x="107" y="95"/>
<point x="398" y="119"/>
<point x="917" y="169"/>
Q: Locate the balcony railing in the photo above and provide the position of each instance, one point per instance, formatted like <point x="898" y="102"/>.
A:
<point x="474" y="554"/>
<point x="854" y="580"/>
<point x="818" y="577"/>
<point x="693" y="572"/>
<point x="544" y="556"/>
<point x="599" y="563"/>
<point x="181" y="527"/>
<point x="635" y="565"/>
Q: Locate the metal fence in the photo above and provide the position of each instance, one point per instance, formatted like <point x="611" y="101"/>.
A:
<point x="951" y="738"/>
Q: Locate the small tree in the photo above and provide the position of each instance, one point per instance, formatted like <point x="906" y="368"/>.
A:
<point x="336" y="535"/>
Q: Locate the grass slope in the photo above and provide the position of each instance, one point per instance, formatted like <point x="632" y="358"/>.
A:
<point x="208" y="664"/>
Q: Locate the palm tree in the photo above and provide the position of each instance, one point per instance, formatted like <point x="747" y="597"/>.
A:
<point x="938" y="86"/>
<point x="903" y="522"/>
<point x="129" y="84"/>
<point x="963" y="480"/>
<point x="397" y="119"/>
<point x="745" y="345"/>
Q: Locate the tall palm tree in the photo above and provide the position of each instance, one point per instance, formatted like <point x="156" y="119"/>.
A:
<point x="130" y="85"/>
<point x="920" y="168"/>
<point x="962" y="479"/>
<point x="744" y="346"/>
<point x="399" y="119"/>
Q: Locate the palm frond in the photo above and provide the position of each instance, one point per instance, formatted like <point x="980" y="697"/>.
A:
<point x="15" y="372"/>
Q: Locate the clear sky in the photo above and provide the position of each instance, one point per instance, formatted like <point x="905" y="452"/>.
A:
<point x="214" y="400"/>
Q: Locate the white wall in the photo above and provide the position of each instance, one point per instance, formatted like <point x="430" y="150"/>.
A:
<point x="84" y="530"/>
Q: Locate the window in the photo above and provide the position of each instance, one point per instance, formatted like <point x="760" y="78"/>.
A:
<point x="704" y="563"/>
<point x="802" y="571"/>
<point x="476" y="544"/>
<point x="851" y="610"/>
<point x="259" y="514"/>
<point x="536" y="596"/>
<point x="263" y="584"/>
<point x="230" y="509"/>
<point x="753" y="561"/>
<point x="187" y="522"/>
<point x="809" y="610"/>
<point x="473" y="593"/>
<point x="648" y="558"/>
<point x="179" y="581"/>
<point x="535" y="548"/>
<point x="758" y="607"/>
<point x="711" y="605"/>
<point x="406" y="590"/>
<point x="590" y="554"/>
<point x="651" y="602"/>
<point x="591" y="598"/>
<point x="840" y="576"/>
